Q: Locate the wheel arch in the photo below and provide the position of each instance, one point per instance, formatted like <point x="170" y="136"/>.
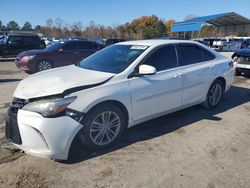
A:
<point x="223" y="80"/>
<point x="114" y="102"/>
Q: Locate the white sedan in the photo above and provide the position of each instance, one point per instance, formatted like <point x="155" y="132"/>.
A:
<point x="116" y="88"/>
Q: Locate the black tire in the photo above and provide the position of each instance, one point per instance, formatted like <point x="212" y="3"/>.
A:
<point x="208" y="104"/>
<point x="44" y="64"/>
<point x="237" y="72"/>
<point x="85" y="134"/>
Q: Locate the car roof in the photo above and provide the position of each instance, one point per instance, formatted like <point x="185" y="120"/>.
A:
<point x="22" y="34"/>
<point x="154" y="42"/>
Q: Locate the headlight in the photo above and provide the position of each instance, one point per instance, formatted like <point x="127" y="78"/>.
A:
<point x="50" y="107"/>
<point x="27" y="58"/>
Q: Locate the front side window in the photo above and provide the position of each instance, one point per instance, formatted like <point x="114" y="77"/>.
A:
<point x="86" y="45"/>
<point x="15" y="41"/>
<point x="70" y="46"/>
<point x="113" y="59"/>
<point x="54" y="46"/>
<point x="163" y="58"/>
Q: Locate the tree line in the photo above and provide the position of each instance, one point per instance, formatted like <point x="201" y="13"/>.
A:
<point x="145" y="27"/>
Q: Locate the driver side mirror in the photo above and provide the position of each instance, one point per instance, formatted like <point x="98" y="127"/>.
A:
<point x="145" y="70"/>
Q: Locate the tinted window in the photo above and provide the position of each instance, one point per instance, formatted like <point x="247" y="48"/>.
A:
<point x="31" y="41"/>
<point x="207" y="56"/>
<point x="85" y="45"/>
<point x="69" y="46"/>
<point x="114" y="59"/>
<point x="189" y="54"/>
<point x="54" y="46"/>
<point x="163" y="58"/>
<point x="15" y="40"/>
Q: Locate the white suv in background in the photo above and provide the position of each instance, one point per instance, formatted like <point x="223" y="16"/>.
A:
<point x="116" y="88"/>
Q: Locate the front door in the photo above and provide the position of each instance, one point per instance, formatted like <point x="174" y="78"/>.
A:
<point x="161" y="92"/>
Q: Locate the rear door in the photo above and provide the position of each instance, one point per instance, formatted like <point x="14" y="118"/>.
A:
<point x="86" y="48"/>
<point x="161" y="92"/>
<point x="196" y="66"/>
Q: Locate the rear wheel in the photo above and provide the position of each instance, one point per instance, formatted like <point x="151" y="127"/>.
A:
<point x="44" y="65"/>
<point x="215" y="94"/>
<point x="103" y="126"/>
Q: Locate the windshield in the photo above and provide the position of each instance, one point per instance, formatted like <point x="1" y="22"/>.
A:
<point x="54" y="46"/>
<point x="113" y="59"/>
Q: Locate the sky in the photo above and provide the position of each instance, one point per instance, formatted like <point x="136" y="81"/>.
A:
<point x="113" y="12"/>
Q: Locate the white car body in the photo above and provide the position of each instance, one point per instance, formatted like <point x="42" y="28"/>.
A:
<point x="142" y="97"/>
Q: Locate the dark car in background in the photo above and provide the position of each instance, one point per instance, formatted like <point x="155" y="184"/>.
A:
<point x="62" y="53"/>
<point x="111" y="41"/>
<point x="14" y="43"/>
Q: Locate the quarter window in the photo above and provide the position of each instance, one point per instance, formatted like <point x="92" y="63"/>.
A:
<point x="163" y="58"/>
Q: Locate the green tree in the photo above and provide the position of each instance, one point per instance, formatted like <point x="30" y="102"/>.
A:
<point x="38" y="28"/>
<point x="27" y="26"/>
<point x="12" y="26"/>
<point x="148" y="27"/>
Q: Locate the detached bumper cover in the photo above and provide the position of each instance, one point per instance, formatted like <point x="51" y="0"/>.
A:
<point x="46" y="137"/>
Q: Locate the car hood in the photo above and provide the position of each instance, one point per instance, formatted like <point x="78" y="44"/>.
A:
<point x="243" y="52"/>
<point x="31" y="52"/>
<point x="58" y="81"/>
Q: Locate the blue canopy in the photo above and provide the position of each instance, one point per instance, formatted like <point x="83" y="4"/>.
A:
<point x="195" y="24"/>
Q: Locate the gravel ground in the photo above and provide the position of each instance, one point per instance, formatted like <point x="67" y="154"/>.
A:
<point x="195" y="147"/>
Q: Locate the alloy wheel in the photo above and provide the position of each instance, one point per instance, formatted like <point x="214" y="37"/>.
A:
<point x="105" y="128"/>
<point x="215" y="94"/>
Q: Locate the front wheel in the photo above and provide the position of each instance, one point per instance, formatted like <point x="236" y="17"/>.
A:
<point x="103" y="126"/>
<point x="44" y="65"/>
<point x="215" y="94"/>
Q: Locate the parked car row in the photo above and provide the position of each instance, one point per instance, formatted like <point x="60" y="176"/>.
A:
<point x="98" y="98"/>
<point x="64" y="52"/>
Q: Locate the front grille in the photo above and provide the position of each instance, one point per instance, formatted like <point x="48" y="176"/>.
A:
<point x="12" y="131"/>
<point x="11" y="128"/>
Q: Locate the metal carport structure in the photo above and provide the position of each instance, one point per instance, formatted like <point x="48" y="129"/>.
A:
<point x="227" y="23"/>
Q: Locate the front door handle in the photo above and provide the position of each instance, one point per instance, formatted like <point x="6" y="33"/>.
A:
<point x="211" y="66"/>
<point x="178" y="75"/>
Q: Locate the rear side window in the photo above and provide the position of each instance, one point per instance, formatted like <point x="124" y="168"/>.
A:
<point x="70" y="46"/>
<point x="85" y="45"/>
<point x="189" y="54"/>
<point x="163" y="58"/>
